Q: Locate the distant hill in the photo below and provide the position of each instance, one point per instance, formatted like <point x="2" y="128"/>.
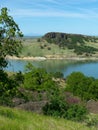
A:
<point x="65" y="38"/>
<point x="31" y="37"/>
<point x="72" y="41"/>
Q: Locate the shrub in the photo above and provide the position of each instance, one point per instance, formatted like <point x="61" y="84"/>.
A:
<point x="39" y="80"/>
<point x="38" y="40"/>
<point x="58" y="75"/>
<point x="41" y="47"/>
<point x="60" y="108"/>
<point x="45" y="45"/>
<point x="6" y="101"/>
<point x="76" y="112"/>
<point x="57" y="107"/>
<point x="82" y="86"/>
<point x="49" y="48"/>
<point x="18" y="77"/>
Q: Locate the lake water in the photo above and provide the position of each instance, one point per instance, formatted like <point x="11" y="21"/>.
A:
<point x="89" y="68"/>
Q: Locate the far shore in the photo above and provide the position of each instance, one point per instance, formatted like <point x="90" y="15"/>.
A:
<point x="51" y="58"/>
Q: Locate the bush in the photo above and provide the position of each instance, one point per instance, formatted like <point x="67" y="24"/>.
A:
<point x="38" y="40"/>
<point x="76" y="112"/>
<point x="60" y="108"/>
<point x="80" y="85"/>
<point x="18" y="77"/>
<point x="39" y="80"/>
<point x="57" y="107"/>
<point x="41" y="47"/>
<point x="49" y="48"/>
<point x="6" y="101"/>
<point x="8" y="87"/>
<point x="58" y="75"/>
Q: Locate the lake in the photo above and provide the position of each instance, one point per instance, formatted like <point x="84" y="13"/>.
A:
<point x="89" y="68"/>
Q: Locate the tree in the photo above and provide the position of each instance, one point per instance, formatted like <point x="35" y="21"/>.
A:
<point x="38" y="79"/>
<point x="75" y="82"/>
<point x="93" y="89"/>
<point x="9" y="37"/>
<point x="82" y="86"/>
<point x="9" y="45"/>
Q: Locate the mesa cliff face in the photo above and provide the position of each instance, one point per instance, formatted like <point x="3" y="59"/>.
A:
<point x="57" y="37"/>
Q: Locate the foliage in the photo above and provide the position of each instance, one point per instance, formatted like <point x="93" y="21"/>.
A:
<point x="9" y="33"/>
<point x="85" y="50"/>
<point x="38" y="79"/>
<point x="93" y="89"/>
<point x="58" y="107"/>
<point x="76" y="112"/>
<point x="74" y="80"/>
<point x="58" y="75"/>
<point x="8" y="88"/>
<point x="9" y="45"/>
<point x="19" y="78"/>
<point x="82" y="86"/>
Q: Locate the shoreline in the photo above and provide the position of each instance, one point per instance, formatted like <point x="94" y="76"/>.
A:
<point x="51" y="58"/>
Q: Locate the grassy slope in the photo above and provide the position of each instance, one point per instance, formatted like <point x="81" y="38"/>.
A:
<point x="31" y="47"/>
<point x="95" y="45"/>
<point x="12" y="119"/>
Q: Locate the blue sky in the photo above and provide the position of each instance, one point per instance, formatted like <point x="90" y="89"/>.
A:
<point x="37" y="17"/>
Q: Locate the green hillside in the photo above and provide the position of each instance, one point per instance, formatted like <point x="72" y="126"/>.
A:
<point x="65" y="38"/>
<point x="60" y="45"/>
<point x="13" y="119"/>
<point x="72" y="41"/>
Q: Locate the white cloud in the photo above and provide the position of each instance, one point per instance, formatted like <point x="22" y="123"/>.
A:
<point x="54" y="13"/>
<point x="53" y="8"/>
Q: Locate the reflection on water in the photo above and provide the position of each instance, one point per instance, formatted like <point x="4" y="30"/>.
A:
<point x="89" y="68"/>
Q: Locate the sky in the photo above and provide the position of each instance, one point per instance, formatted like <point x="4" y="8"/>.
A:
<point x="38" y="17"/>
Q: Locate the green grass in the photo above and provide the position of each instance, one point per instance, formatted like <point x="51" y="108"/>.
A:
<point x="31" y="47"/>
<point x="13" y="119"/>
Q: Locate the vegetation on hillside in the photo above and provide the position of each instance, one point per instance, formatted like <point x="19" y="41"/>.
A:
<point x="31" y="47"/>
<point x="59" y="101"/>
<point x="82" y="86"/>
<point x="36" y="85"/>
<point x="72" y="41"/>
<point x="63" y="49"/>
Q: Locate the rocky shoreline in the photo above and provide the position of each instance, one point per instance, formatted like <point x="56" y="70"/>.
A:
<point x="50" y="57"/>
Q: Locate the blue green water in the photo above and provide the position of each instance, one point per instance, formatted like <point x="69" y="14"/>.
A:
<point x="89" y="68"/>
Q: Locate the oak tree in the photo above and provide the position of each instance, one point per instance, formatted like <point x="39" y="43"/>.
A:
<point x="9" y="37"/>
